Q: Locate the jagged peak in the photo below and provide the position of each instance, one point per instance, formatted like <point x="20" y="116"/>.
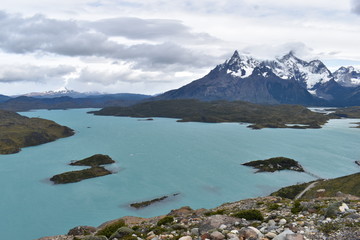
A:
<point x="290" y="57"/>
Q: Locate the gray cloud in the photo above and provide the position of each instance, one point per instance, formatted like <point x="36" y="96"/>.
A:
<point x="30" y="73"/>
<point x="149" y="29"/>
<point x="71" y="38"/>
<point x="355" y="6"/>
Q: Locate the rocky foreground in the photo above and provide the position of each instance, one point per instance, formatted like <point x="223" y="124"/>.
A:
<point x="262" y="218"/>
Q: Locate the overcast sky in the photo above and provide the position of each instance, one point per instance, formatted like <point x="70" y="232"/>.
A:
<point x="153" y="46"/>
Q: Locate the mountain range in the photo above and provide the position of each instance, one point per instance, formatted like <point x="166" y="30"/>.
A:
<point x="285" y="80"/>
<point x="63" y="101"/>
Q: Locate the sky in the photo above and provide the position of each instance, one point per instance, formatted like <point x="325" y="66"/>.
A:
<point x="152" y="46"/>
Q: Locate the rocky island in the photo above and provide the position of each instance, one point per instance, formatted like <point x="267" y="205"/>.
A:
<point x="275" y="164"/>
<point x="143" y="204"/>
<point x="18" y="131"/>
<point x="335" y="216"/>
<point x="190" y="110"/>
<point x="96" y="170"/>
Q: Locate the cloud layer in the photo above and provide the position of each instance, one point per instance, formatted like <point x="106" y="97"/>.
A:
<point x="155" y="45"/>
<point x="355" y="6"/>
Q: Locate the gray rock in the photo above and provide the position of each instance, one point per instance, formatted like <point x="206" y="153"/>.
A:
<point x="271" y="223"/>
<point x="214" y="222"/>
<point x="195" y="231"/>
<point x="232" y="236"/>
<point x="270" y="235"/>
<point x="294" y="237"/>
<point x="185" y="238"/>
<point x="248" y="233"/>
<point x="81" y="230"/>
<point x="282" y="221"/>
<point x="216" y="236"/>
<point x="282" y="236"/>
<point x="122" y="232"/>
<point x="353" y="216"/>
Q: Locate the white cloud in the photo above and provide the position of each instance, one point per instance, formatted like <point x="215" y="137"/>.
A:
<point x="33" y="73"/>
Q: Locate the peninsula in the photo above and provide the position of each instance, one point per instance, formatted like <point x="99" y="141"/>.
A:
<point x="190" y="110"/>
<point x="18" y="131"/>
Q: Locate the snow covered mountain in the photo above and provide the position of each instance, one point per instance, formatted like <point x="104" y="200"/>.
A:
<point x="347" y="76"/>
<point x="283" y="80"/>
<point x="62" y="92"/>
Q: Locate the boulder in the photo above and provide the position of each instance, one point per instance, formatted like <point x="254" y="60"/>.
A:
<point x="249" y="233"/>
<point x="216" y="236"/>
<point x="122" y="232"/>
<point x="294" y="237"/>
<point x="214" y="222"/>
<point x="283" y="235"/>
<point x="81" y="230"/>
<point x="185" y="238"/>
<point x="270" y="235"/>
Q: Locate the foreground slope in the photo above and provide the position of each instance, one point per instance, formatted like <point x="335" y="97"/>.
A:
<point x="262" y="218"/>
<point x="17" y="131"/>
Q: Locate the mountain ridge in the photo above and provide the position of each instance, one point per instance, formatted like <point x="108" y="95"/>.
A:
<point x="285" y="80"/>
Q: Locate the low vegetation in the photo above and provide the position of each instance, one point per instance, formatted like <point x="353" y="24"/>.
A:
<point x="325" y="188"/>
<point x="18" y="131"/>
<point x="347" y="112"/>
<point x="250" y="214"/>
<point x="275" y="164"/>
<point x="188" y="110"/>
<point x="290" y="192"/>
<point x="110" y="228"/>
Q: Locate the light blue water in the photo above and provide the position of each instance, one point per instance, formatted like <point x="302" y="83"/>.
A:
<point x="155" y="158"/>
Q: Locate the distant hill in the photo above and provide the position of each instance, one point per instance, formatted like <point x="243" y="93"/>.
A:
<point x="286" y="80"/>
<point x="17" y="131"/>
<point x="4" y="98"/>
<point x="24" y="103"/>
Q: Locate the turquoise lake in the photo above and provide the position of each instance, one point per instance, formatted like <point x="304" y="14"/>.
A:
<point x="200" y="161"/>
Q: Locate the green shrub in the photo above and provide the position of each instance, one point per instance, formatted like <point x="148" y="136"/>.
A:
<point x="296" y="208"/>
<point x="111" y="228"/>
<point x="251" y="214"/>
<point x="165" y="220"/>
<point x="217" y="212"/>
<point x="273" y="206"/>
<point x="328" y="228"/>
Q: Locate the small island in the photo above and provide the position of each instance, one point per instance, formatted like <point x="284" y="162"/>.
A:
<point x="275" y="164"/>
<point x="96" y="170"/>
<point x="93" y="161"/>
<point x="17" y="131"/>
<point x="139" y="205"/>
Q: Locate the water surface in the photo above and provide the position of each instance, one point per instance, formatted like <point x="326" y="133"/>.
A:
<point x="201" y="161"/>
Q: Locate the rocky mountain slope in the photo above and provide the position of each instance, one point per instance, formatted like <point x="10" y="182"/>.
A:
<point x="288" y="80"/>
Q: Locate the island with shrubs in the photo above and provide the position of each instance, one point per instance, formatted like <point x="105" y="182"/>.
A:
<point x="275" y="164"/>
<point x="96" y="170"/>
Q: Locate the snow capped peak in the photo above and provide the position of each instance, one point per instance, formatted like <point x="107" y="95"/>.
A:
<point x="240" y="65"/>
<point x="347" y="76"/>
